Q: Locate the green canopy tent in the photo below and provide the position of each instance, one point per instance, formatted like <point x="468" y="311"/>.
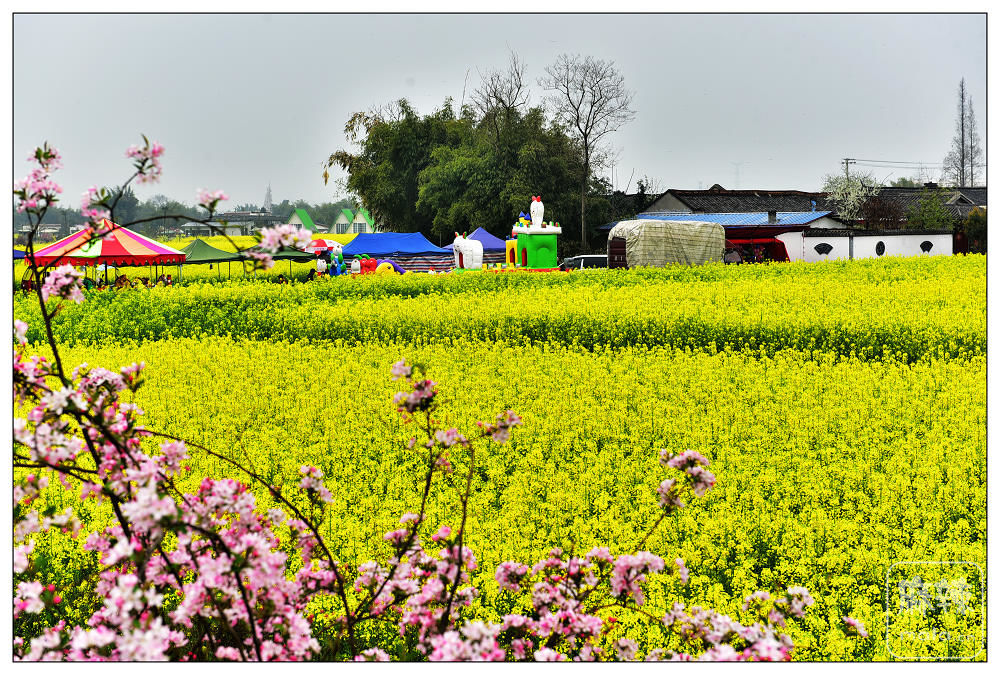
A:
<point x="198" y="252"/>
<point x="289" y="254"/>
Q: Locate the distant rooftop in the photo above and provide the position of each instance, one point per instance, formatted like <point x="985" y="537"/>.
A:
<point x="718" y="199"/>
<point x="748" y="219"/>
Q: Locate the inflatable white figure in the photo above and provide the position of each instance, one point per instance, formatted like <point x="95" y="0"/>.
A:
<point x="537" y="210"/>
<point x="355" y="266"/>
<point x="335" y="250"/>
<point x="468" y="253"/>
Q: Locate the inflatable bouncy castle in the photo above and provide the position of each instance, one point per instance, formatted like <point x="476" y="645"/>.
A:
<point x="534" y="240"/>
<point x="468" y="253"/>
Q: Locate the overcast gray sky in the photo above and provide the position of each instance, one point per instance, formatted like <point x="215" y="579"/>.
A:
<point x="240" y="101"/>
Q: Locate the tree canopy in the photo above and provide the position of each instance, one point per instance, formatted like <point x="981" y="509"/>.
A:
<point x="456" y="170"/>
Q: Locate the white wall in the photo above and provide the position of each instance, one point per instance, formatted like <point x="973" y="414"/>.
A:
<point x="826" y="223"/>
<point x="668" y="202"/>
<point x="865" y="246"/>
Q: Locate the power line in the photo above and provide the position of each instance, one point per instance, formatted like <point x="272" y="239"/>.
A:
<point x="899" y="166"/>
<point x="895" y="161"/>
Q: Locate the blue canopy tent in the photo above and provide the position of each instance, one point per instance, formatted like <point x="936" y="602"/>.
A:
<point x="410" y="250"/>
<point x="18" y="255"/>
<point x="389" y="244"/>
<point x="490" y="243"/>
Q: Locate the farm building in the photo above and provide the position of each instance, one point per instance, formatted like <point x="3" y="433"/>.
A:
<point x="958" y="201"/>
<point x="717" y="199"/>
<point x="302" y="218"/>
<point x="230" y="229"/>
<point x="359" y="222"/>
<point x="892" y="208"/>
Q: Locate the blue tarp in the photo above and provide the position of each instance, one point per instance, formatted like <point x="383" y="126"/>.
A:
<point x="18" y="254"/>
<point x="490" y="243"/>
<point x="386" y="244"/>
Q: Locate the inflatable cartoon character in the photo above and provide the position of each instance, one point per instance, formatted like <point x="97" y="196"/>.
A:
<point x="468" y="253"/>
<point x="368" y="265"/>
<point x="537" y="211"/>
<point x="355" y="266"/>
<point x="336" y="266"/>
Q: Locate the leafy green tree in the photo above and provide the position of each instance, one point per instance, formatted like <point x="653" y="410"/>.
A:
<point x="126" y="205"/>
<point x="904" y="182"/>
<point x="282" y="210"/>
<point x="485" y="184"/>
<point x="151" y="216"/>
<point x="395" y="145"/>
<point x="929" y="213"/>
<point x="974" y="226"/>
<point x="327" y="212"/>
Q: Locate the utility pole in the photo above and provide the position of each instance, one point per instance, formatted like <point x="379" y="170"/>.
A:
<point x="847" y="162"/>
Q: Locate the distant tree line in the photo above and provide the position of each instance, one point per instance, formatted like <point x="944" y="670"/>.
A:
<point x="160" y="214"/>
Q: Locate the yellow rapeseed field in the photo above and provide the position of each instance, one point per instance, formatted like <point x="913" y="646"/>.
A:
<point x="843" y="407"/>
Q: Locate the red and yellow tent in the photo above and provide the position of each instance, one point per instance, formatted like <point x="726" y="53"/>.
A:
<point x="121" y="247"/>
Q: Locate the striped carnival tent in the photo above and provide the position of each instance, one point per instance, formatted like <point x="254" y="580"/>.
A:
<point x="438" y="262"/>
<point x="119" y="246"/>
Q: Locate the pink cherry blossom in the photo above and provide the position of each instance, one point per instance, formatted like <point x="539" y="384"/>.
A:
<point x="20" y="331"/>
<point x="63" y="282"/>
<point x="146" y="160"/>
<point x="856" y="626"/>
<point x="401" y="370"/>
<point x="210" y="199"/>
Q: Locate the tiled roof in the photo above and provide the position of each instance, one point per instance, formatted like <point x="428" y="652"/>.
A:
<point x="720" y="200"/>
<point x="783" y="217"/>
<point x="958" y="201"/>
<point x="868" y="233"/>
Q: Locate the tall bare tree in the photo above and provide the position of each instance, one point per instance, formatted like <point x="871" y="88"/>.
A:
<point x="975" y="151"/>
<point x="966" y="150"/>
<point x="500" y="94"/>
<point x="590" y="98"/>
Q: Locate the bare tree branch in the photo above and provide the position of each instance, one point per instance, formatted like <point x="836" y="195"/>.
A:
<point x="590" y="98"/>
<point x="500" y="95"/>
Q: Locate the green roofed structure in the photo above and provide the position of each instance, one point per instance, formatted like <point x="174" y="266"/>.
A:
<point x="301" y="217"/>
<point x="351" y="222"/>
<point x="365" y="218"/>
